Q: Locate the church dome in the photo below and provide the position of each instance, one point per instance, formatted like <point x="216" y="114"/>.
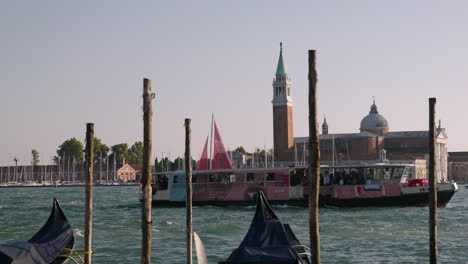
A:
<point x="374" y="122"/>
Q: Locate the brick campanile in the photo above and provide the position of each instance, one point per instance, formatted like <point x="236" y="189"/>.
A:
<point x="283" y="139"/>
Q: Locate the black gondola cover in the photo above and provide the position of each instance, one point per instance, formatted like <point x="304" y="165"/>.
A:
<point x="45" y="246"/>
<point x="266" y="241"/>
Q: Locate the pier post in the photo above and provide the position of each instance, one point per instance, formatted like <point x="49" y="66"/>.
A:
<point x="188" y="183"/>
<point x="89" y="163"/>
<point x="314" y="163"/>
<point x="432" y="185"/>
<point x="147" y="221"/>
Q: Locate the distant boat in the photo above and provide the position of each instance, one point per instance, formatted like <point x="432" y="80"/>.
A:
<point x="268" y="240"/>
<point x="47" y="246"/>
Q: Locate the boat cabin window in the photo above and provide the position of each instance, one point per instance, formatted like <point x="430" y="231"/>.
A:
<point x="161" y="182"/>
<point x="270" y="176"/>
<point x="175" y="179"/>
<point x="399" y="172"/>
<point x="295" y="177"/>
<point x="216" y="178"/>
<point x="250" y="177"/>
<point x="232" y="178"/>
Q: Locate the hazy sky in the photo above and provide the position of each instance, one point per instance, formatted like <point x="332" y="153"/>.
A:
<point x="66" y="63"/>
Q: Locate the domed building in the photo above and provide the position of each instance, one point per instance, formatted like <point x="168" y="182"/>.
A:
<point x="374" y="122"/>
<point x="373" y="139"/>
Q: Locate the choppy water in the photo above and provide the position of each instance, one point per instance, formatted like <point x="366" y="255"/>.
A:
<point x="359" y="235"/>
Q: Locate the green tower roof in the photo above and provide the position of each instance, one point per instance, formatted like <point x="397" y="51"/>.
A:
<point x="281" y="69"/>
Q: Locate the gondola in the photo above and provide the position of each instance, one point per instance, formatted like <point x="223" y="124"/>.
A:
<point x="268" y="240"/>
<point x="48" y="246"/>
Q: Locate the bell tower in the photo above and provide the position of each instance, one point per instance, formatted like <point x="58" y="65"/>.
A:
<point x="283" y="139"/>
<point x="325" y="126"/>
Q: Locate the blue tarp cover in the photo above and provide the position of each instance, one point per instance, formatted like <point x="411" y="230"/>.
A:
<point x="266" y="241"/>
<point x="45" y="246"/>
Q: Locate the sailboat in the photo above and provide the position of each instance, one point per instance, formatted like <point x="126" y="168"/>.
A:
<point x="220" y="158"/>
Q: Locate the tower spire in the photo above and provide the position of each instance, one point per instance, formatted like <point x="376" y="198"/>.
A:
<point x="325" y="126"/>
<point x="283" y="140"/>
<point x="281" y="69"/>
<point x="373" y="107"/>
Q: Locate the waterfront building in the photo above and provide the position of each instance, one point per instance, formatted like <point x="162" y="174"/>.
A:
<point x="126" y="173"/>
<point x="373" y="139"/>
<point x="458" y="166"/>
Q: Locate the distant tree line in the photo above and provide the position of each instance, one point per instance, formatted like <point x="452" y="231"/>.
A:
<point x="72" y="150"/>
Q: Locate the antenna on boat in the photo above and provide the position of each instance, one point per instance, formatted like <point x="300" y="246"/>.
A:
<point x="272" y="157"/>
<point x="295" y="153"/>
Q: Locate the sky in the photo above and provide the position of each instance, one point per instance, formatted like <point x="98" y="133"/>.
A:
<point x="67" y="63"/>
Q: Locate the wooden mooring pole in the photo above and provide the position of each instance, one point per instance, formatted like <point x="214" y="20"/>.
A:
<point x="432" y="185"/>
<point x="188" y="173"/>
<point x="314" y="163"/>
<point x="147" y="221"/>
<point x="89" y="164"/>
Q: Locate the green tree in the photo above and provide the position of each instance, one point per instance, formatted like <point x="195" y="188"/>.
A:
<point x="100" y="148"/>
<point x="120" y="152"/>
<point x="241" y="150"/>
<point x="178" y="164"/>
<point x="35" y="157"/>
<point x="259" y="151"/>
<point x="158" y="165"/>
<point x="70" y="149"/>
<point x="194" y="164"/>
<point x="136" y="153"/>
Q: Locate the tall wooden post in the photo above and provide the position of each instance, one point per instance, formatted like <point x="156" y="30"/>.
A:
<point x="432" y="185"/>
<point x="89" y="164"/>
<point x="314" y="163"/>
<point x="147" y="221"/>
<point x="188" y="181"/>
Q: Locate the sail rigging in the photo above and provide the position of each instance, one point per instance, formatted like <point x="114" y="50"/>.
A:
<point x="220" y="158"/>
<point x="203" y="163"/>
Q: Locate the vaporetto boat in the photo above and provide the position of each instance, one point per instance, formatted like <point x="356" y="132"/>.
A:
<point x="373" y="183"/>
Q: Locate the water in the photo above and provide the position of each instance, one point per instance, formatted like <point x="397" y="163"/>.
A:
<point x="359" y="235"/>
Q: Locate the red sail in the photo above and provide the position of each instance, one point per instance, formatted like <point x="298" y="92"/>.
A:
<point x="220" y="157"/>
<point x="203" y="162"/>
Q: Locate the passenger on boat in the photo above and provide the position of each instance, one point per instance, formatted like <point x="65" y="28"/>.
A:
<point x="326" y="179"/>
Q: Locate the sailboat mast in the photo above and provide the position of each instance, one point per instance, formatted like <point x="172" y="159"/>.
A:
<point x="211" y="142"/>
<point x="115" y="169"/>
<point x="304" y="153"/>
<point x="333" y="154"/>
